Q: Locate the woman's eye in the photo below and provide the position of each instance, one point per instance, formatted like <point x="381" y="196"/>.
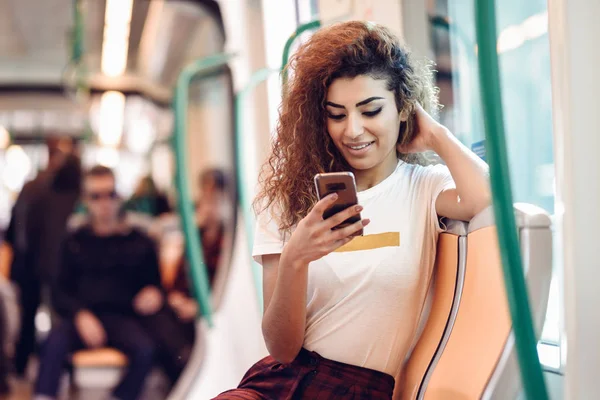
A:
<point x="336" y="117"/>
<point x="372" y="113"/>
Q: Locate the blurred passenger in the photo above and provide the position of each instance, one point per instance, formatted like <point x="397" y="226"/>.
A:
<point x="48" y="216"/>
<point x="342" y="305"/>
<point x="4" y="367"/>
<point x="9" y="316"/>
<point x="22" y="260"/>
<point x="108" y="278"/>
<point x="211" y="219"/>
<point x="212" y="213"/>
<point x="173" y="330"/>
<point x="148" y="199"/>
<point x="185" y="308"/>
<point x="180" y="298"/>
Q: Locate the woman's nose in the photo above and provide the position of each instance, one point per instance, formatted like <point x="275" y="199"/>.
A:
<point x="355" y="127"/>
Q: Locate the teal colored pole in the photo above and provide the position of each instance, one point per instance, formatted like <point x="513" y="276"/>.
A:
<point x="77" y="34"/>
<point x="288" y="45"/>
<point x="193" y="245"/>
<point x="244" y="186"/>
<point x="520" y="311"/>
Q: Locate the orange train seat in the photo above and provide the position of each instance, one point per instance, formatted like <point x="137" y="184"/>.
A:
<point x="466" y="348"/>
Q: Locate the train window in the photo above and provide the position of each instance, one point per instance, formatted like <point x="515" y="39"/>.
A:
<point x="307" y="10"/>
<point x="524" y="58"/>
<point x="280" y="23"/>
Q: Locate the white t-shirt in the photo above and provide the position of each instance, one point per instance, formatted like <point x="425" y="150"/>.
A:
<point x="365" y="300"/>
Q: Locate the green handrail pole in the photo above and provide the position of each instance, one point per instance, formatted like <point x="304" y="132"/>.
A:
<point x="76" y="56"/>
<point x="243" y="184"/>
<point x="288" y="45"/>
<point x="194" y="252"/>
<point x="489" y="76"/>
<point x="77" y="33"/>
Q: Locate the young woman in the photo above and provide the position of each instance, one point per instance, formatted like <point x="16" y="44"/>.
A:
<point x="342" y="313"/>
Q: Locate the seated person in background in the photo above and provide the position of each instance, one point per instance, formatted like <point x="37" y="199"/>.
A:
<point x="8" y="330"/>
<point x="148" y="199"/>
<point x="211" y="216"/>
<point x="4" y="388"/>
<point x="173" y="328"/>
<point x="180" y="299"/>
<point x="108" y="278"/>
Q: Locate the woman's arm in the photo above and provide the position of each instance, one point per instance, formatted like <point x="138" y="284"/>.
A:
<point x="470" y="173"/>
<point x="284" y="320"/>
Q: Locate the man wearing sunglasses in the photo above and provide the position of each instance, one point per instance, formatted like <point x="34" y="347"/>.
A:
<point x="109" y="277"/>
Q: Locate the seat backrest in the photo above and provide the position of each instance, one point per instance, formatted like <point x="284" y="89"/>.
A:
<point x="535" y="236"/>
<point x="445" y="295"/>
<point x="474" y="357"/>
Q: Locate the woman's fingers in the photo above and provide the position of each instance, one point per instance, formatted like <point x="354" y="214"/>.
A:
<point x="342" y="216"/>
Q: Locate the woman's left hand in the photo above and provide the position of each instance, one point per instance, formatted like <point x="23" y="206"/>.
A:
<point x="427" y="129"/>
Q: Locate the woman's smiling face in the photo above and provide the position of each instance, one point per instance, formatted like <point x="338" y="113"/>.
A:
<point x="363" y="122"/>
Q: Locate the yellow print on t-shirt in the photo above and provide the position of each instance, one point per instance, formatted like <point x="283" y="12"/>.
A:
<point x="370" y="242"/>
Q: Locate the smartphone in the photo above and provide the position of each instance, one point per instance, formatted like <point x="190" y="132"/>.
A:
<point x="344" y="184"/>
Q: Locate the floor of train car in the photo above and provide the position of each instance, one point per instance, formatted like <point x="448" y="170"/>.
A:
<point x="155" y="387"/>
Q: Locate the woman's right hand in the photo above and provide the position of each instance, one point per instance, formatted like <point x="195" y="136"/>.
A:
<point x="314" y="236"/>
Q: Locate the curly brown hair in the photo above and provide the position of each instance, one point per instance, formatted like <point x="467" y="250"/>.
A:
<point x="302" y="146"/>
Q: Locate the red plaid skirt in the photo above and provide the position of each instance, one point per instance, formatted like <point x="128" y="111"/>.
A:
<point x="310" y="376"/>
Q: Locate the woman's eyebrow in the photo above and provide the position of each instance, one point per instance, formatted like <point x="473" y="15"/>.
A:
<point x="329" y="103"/>
<point x="367" y="101"/>
<point x="360" y="103"/>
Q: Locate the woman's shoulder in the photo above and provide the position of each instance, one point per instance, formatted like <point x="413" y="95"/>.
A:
<point x="268" y="211"/>
<point x="421" y="171"/>
<point x="268" y="224"/>
<point x="418" y="178"/>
